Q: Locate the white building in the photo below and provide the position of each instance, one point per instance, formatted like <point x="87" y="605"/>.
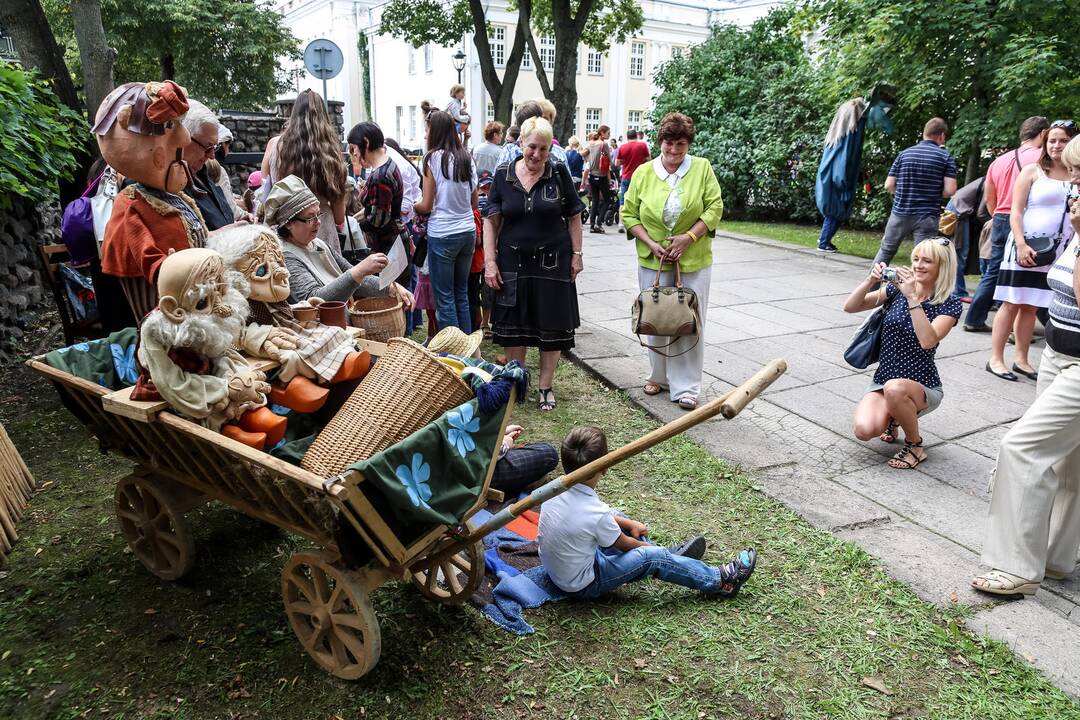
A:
<point x="614" y="88"/>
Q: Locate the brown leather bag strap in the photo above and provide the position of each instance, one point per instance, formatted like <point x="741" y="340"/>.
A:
<point x="678" y="275"/>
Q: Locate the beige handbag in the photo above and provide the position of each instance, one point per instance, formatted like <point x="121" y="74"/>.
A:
<point x="666" y="312"/>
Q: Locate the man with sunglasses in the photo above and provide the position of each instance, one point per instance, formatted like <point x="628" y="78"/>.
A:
<point x="919" y="177"/>
<point x="1000" y="177"/>
<point x="203" y="126"/>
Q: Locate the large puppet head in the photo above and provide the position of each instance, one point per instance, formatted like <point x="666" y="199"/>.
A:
<point x="201" y="307"/>
<point x="254" y="251"/>
<point x="140" y="136"/>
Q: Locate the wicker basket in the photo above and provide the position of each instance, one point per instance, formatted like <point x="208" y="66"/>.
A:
<point x="406" y="389"/>
<point x="381" y="318"/>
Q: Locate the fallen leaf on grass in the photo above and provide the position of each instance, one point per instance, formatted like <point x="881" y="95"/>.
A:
<point x="239" y="694"/>
<point x="961" y="660"/>
<point x="954" y="598"/>
<point x="876" y="684"/>
<point x="616" y="679"/>
<point x="993" y="671"/>
<point x="822" y="591"/>
<point x="639" y="662"/>
<point x="150" y="611"/>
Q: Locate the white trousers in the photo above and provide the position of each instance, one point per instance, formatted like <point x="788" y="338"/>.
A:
<point x="1035" y="508"/>
<point x="681" y="374"/>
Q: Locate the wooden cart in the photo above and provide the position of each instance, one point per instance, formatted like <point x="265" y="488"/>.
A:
<point x="181" y="465"/>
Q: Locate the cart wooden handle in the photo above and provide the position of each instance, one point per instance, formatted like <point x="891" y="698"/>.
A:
<point x="729" y="405"/>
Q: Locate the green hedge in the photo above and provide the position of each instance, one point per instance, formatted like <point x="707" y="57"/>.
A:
<point x="39" y="137"/>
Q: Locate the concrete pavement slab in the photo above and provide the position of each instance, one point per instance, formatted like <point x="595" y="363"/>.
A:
<point x="1037" y="634"/>
<point x="926" y="525"/>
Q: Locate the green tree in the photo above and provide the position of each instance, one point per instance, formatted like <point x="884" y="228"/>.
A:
<point x="227" y="53"/>
<point x="983" y="65"/>
<point x="759" y="112"/>
<point x="419" y="22"/>
<point x="598" y="23"/>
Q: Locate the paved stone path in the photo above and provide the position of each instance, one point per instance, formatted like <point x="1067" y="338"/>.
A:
<point x="769" y="300"/>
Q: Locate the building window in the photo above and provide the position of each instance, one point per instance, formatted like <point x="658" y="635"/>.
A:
<point x="633" y="119"/>
<point x="573" y="130"/>
<point x="498" y="45"/>
<point x="676" y="52"/>
<point x="637" y="60"/>
<point x="412" y="60"/>
<point x="400" y="117"/>
<point x="547" y="52"/>
<point x="594" y="63"/>
<point x="489" y="114"/>
<point x="427" y="59"/>
<point x="592" y="120"/>
<point x="526" y="59"/>
<point x="412" y="122"/>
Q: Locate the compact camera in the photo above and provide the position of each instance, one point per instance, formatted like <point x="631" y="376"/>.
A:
<point x="889" y="275"/>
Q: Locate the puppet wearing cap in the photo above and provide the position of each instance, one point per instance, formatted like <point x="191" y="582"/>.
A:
<point x="140" y="137"/>
<point x="187" y="346"/>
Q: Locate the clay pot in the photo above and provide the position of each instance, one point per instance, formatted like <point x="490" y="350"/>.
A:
<point x="305" y="314"/>
<point x="332" y="312"/>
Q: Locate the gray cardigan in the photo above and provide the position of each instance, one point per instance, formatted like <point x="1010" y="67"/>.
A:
<point x="303" y="282"/>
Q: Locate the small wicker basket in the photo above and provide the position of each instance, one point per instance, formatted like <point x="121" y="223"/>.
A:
<point x="381" y="318"/>
<point x="406" y="389"/>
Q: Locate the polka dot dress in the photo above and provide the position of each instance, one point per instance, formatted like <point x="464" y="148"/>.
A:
<point x="901" y="354"/>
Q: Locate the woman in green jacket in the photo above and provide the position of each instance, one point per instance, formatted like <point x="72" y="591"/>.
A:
<point x="672" y="208"/>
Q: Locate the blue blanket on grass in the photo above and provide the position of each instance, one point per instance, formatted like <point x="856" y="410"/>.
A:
<point x="515" y="591"/>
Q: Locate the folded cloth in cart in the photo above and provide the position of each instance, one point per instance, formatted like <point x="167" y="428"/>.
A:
<point x="107" y="361"/>
<point x="435" y="475"/>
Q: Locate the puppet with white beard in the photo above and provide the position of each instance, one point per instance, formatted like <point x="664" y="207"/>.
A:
<point x="188" y="347"/>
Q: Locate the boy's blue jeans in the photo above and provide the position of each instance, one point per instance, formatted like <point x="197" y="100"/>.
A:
<point x="614" y="569"/>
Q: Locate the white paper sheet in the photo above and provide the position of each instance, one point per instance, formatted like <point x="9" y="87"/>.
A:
<point x="398" y="262"/>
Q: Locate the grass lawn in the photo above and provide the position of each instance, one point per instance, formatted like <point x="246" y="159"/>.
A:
<point x="819" y="631"/>
<point x="861" y="243"/>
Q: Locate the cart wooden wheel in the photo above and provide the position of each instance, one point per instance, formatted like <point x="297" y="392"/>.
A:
<point x="442" y="581"/>
<point x="331" y="615"/>
<point x="151" y="517"/>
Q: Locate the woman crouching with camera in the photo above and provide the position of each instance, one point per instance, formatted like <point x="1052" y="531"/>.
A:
<point x="920" y="311"/>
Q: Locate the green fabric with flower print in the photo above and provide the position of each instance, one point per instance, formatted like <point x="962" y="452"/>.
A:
<point x="436" y="474"/>
<point x="108" y="361"/>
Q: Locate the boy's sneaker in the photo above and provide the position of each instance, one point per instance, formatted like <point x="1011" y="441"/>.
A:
<point x="693" y="548"/>
<point x="830" y="248"/>
<point x="735" y="573"/>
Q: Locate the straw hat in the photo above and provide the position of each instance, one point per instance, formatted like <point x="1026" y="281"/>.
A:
<point x="453" y="341"/>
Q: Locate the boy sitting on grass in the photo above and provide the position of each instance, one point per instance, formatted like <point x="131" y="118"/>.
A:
<point x="589" y="551"/>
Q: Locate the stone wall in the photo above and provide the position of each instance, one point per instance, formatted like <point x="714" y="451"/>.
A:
<point x="22" y="291"/>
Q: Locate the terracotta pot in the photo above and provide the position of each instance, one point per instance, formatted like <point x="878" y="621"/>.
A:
<point x="332" y="312"/>
<point x="305" y="314"/>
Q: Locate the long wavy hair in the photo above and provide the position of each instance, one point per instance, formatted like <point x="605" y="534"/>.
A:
<point x="442" y="135"/>
<point x="310" y="149"/>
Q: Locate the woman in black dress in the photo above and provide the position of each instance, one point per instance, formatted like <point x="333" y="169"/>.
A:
<point x="532" y="251"/>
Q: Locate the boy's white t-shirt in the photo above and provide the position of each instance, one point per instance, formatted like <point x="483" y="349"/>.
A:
<point x="572" y="527"/>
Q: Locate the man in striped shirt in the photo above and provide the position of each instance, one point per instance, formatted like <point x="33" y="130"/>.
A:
<point x="919" y="177"/>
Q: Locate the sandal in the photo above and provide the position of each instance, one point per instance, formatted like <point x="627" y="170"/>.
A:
<point x="889" y="436"/>
<point x="688" y="402"/>
<point x="997" y="582"/>
<point x="547" y="400"/>
<point x="652" y="388"/>
<point x="906" y="459"/>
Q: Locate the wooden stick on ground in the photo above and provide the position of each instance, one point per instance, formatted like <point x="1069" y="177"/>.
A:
<point x="729" y="406"/>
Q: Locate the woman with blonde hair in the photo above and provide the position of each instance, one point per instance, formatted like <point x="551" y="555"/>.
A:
<point x="532" y="255"/>
<point x="1034" y="527"/>
<point x="309" y="147"/>
<point x="920" y="310"/>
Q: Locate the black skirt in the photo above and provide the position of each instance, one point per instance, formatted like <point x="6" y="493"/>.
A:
<point x="537" y="305"/>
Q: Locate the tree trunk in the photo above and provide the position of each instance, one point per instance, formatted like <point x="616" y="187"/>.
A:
<point x="168" y="66"/>
<point x="37" y="46"/>
<point x="94" y="51"/>
<point x="524" y="20"/>
<point x="501" y="91"/>
<point x="972" y="172"/>
<point x="568" y="30"/>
